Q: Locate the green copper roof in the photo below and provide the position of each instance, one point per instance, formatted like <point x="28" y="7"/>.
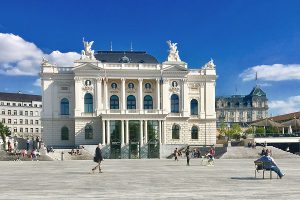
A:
<point x="256" y="91"/>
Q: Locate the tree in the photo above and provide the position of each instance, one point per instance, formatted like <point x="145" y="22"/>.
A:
<point x="4" y="131"/>
<point x="235" y="131"/>
<point x="222" y="129"/>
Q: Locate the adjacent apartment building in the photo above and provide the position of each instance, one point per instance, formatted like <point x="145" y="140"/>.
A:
<point x="242" y="108"/>
<point x="21" y="113"/>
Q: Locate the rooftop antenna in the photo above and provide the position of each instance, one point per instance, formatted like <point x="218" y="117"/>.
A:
<point x="131" y="49"/>
<point x="111" y="46"/>
<point x="256" y="78"/>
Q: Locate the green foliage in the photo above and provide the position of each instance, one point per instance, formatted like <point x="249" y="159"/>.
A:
<point x="222" y="129"/>
<point x="259" y="130"/>
<point x="272" y="129"/>
<point x="4" y="131"/>
<point x="249" y="130"/>
<point x="234" y="132"/>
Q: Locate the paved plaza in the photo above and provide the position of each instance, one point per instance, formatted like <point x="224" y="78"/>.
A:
<point x="146" y="179"/>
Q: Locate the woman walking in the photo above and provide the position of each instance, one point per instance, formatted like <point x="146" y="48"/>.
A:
<point x="98" y="158"/>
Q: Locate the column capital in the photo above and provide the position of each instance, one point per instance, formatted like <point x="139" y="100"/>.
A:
<point x="123" y="79"/>
<point x="140" y="80"/>
<point x="99" y="79"/>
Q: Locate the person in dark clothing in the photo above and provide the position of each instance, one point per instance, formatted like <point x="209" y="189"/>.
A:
<point x="98" y="158"/>
<point x="187" y="154"/>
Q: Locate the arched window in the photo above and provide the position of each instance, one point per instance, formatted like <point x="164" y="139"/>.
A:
<point x="131" y="103"/>
<point x="175" y="131"/>
<point x="194" y="132"/>
<point x="88" y="132"/>
<point x="148" y="102"/>
<point x="64" y="106"/>
<point x="114" y="102"/>
<point x="174" y="103"/>
<point x="194" y="107"/>
<point x="88" y="103"/>
<point x="64" y="133"/>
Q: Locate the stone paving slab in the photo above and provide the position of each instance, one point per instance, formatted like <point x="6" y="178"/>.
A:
<point x="146" y="179"/>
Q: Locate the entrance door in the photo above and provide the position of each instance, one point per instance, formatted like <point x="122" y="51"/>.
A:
<point x="153" y="148"/>
<point x="134" y="149"/>
<point x="115" y="149"/>
<point x="134" y="138"/>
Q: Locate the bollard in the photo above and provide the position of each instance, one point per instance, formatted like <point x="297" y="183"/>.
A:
<point x="62" y="156"/>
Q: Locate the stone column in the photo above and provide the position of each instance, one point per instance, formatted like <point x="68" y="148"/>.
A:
<point x="78" y="95"/>
<point x="159" y="131"/>
<point x="157" y="94"/>
<point x="182" y="96"/>
<point x="127" y="132"/>
<point x="108" y="131"/>
<point x="146" y="131"/>
<point x="163" y="132"/>
<point x="122" y="132"/>
<point x="141" y="133"/>
<point x="123" y="94"/>
<point x="140" y="94"/>
<point x="99" y="94"/>
<point x="103" y="132"/>
<point x="105" y="100"/>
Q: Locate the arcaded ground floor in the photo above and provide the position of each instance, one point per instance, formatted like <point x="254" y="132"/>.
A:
<point x="146" y="179"/>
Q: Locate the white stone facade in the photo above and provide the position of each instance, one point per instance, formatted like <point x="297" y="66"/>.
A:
<point x="126" y="81"/>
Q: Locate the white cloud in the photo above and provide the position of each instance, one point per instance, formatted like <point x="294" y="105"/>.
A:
<point x="37" y="82"/>
<point x="20" y="57"/>
<point x="276" y="72"/>
<point x="291" y="104"/>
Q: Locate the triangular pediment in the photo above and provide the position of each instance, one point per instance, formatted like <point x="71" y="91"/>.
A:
<point x="175" y="68"/>
<point x="86" y="67"/>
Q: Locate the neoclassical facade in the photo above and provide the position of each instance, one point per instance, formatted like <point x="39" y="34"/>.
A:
<point x="129" y="102"/>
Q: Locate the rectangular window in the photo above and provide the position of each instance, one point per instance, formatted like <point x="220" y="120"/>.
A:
<point x="14" y="104"/>
<point x="2" y="103"/>
<point x="19" y="104"/>
<point x="36" y="121"/>
<point x="31" y="113"/>
<point x="26" y="113"/>
<point x="21" y="112"/>
<point x="21" y="121"/>
<point x="15" y="130"/>
<point x="26" y="130"/>
<point x="37" y="130"/>
<point x="15" y="112"/>
<point x="35" y="105"/>
<point x="9" y="112"/>
<point x="31" y="130"/>
<point x="3" y="112"/>
<point x="31" y="121"/>
<point x="36" y="113"/>
<point x="25" y="104"/>
<point x="26" y="121"/>
<point x="15" y="121"/>
<point x="21" y="130"/>
<point x="9" y="121"/>
<point x="8" y="104"/>
<point x="3" y="120"/>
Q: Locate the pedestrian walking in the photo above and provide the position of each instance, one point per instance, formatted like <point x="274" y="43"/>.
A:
<point x="27" y="144"/>
<point x="98" y="158"/>
<point x="188" y="157"/>
<point x="176" y="154"/>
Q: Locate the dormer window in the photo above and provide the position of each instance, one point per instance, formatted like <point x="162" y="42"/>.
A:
<point x="124" y="59"/>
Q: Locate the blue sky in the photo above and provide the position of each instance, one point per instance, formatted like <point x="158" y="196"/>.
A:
<point x="243" y="37"/>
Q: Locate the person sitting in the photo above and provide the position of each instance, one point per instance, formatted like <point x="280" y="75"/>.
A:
<point x="72" y="152"/>
<point x="271" y="164"/>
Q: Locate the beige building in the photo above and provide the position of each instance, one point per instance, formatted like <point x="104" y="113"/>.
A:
<point x="129" y="102"/>
<point x="21" y="113"/>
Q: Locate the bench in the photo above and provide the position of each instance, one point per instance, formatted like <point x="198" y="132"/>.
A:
<point x="261" y="166"/>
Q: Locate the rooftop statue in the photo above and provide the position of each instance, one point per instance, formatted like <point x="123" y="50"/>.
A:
<point x="210" y="64"/>
<point x="45" y="62"/>
<point x="173" y="52"/>
<point x="87" y="53"/>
